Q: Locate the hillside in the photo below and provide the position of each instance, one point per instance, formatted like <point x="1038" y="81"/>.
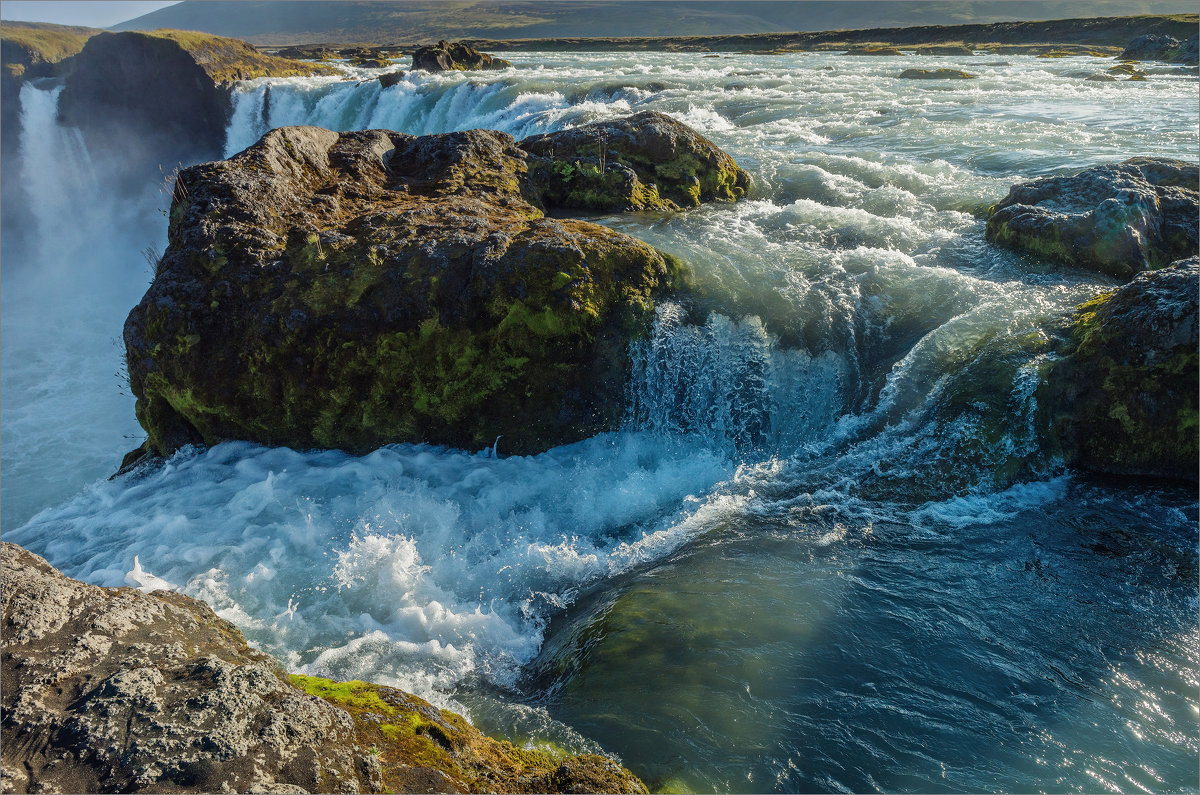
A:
<point x="410" y="22"/>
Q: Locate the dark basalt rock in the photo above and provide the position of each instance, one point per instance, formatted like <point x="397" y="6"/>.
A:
<point x="1159" y="47"/>
<point x="1122" y="398"/>
<point x="167" y="90"/>
<point x="115" y="690"/>
<point x="1117" y="219"/>
<point x="447" y="57"/>
<point x="356" y="289"/>
<point x="935" y="74"/>
<point x="389" y="79"/>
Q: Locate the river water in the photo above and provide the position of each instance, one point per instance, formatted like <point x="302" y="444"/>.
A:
<point x="824" y="553"/>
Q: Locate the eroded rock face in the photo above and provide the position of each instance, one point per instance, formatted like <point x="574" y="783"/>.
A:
<point x="115" y="690"/>
<point x="1123" y="397"/>
<point x="454" y="57"/>
<point x="356" y="289"/>
<point x="112" y="690"/>
<point x="166" y="90"/>
<point x="1117" y="219"/>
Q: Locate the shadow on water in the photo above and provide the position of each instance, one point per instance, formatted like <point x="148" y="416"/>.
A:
<point x="795" y="651"/>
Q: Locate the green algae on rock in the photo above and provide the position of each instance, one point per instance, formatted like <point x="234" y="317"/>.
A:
<point x="1122" y="398"/>
<point x="1118" y="219"/>
<point x="351" y="290"/>
<point x="425" y="749"/>
<point x="454" y="57"/>
<point x="114" y="690"/>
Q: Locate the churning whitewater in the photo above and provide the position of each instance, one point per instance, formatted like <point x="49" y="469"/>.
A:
<point x="801" y="564"/>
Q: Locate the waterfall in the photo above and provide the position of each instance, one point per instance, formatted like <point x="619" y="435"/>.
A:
<point x="730" y="382"/>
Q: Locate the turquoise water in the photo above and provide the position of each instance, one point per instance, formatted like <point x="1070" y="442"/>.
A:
<point x="824" y="553"/>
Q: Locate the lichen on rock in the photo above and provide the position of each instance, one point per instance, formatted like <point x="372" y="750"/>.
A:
<point x="1117" y="219"/>
<point x="350" y="290"/>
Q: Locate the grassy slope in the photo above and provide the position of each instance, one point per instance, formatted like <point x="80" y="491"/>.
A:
<point x="27" y="43"/>
<point x="226" y="59"/>
<point x="412" y="22"/>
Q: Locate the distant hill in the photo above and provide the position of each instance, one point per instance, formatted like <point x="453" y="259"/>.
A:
<point x="407" y="22"/>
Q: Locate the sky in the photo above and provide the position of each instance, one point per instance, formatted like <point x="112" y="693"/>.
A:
<point x="89" y="13"/>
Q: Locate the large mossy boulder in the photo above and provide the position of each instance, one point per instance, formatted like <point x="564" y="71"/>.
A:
<point x="115" y="690"/>
<point x="454" y="57"/>
<point x="1122" y="396"/>
<point x="325" y="290"/>
<point x="644" y="162"/>
<point x="1117" y="219"/>
<point x="167" y="90"/>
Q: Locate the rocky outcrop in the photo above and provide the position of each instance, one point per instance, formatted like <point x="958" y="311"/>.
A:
<point x="167" y="90"/>
<point x="1160" y="47"/>
<point x="935" y="74"/>
<point x="356" y="289"/>
<point x="1117" y="219"/>
<point x="454" y="57"/>
<point x="115" y="690"/>
<point x="645" y="162"/>
<point x="1122" y="397"/>
<point x="876" y="49"/>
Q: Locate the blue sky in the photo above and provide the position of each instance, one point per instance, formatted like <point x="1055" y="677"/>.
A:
<point x="90" y="13"/>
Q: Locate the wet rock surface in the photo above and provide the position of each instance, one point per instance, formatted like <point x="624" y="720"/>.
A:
<point x="935" y="74"/>
<point x="456" y="56"/>
<point x="1122" y="398"/>
<point x="1117" y="219"/>
<point x="115" y="690"/>
<point x="1161" y="47"/>
<point x="351" y="290"/>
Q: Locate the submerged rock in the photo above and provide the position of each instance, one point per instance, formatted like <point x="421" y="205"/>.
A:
<point x="451" y="57"/>
<point x="115" y="690"/>
<point x="935" y="74"/>
<point x="1117" y="219"/>
<point x="351" y="290"/>
<point x="1122" y="399"/>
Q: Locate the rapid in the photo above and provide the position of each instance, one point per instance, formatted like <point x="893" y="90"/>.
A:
<point x="824" y="551"/>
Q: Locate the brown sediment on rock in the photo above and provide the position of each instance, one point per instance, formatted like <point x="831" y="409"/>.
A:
<point x="935" y="74"/>
<point x="356" y="289"/>
<point x="115" y="690"/>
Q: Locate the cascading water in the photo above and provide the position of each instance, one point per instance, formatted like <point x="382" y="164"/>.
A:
<point x="823" y="552"/>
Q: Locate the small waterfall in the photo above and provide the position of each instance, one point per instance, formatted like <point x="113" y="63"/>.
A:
<point x="730" y="382"/>
<point x="419" y="105"/>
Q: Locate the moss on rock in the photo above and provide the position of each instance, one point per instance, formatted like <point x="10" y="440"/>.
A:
<point x="1122" y="398"/>
<point x="350" y="290"/>
<point x="418" y="745"/>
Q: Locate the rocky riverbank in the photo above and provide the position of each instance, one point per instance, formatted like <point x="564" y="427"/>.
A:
<point x="115" y="690"/>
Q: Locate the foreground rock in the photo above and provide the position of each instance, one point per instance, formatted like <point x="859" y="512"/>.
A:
<point x="1122" y="399"/>
<point x="114" y="690"/>
<point x="935" y="74"/>
<point x="1117" y="219"/>
<point x="456" y="57"/>
<point x="167" y="90"/>
<point x="356" y="289"/>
